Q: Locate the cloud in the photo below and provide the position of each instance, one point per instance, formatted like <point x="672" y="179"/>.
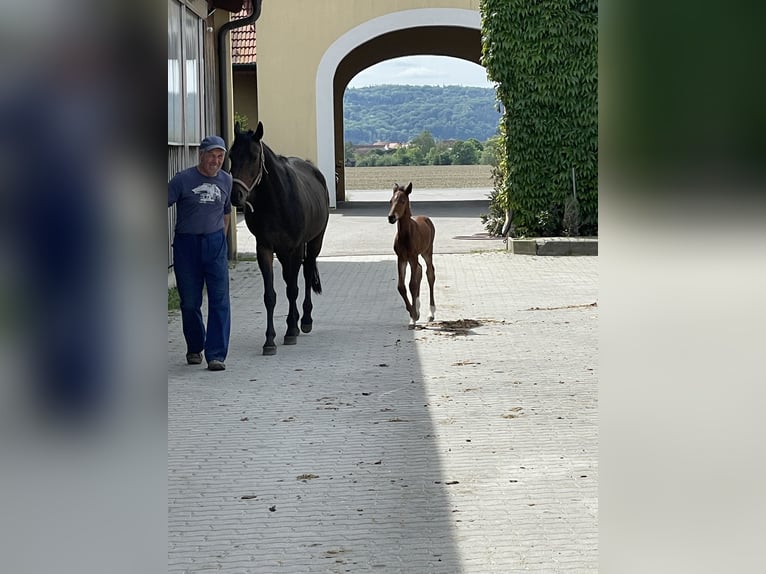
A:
<point x="423" y="70"/>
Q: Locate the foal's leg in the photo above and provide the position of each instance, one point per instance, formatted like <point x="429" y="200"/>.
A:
<point x="402" y="270"/>
<point x="265" y="264"/>
<point x="431" y="276"/>
<point x="290" y="269"/>
<point x="416" y="274"/>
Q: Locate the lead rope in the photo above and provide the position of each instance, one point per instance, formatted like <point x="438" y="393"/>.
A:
<point x="249" y="188"/>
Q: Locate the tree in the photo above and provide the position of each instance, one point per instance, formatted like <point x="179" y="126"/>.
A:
<point x="440" y="154"/>
<point x="241" y="119"/>
<point x="348" y="154"/>
<point x="424" y="142"/>
<point x="402" y="157"/>
<point x="416" y="155"/>
<point x="491" y="151"/>
<point x="476" y="143"/>
<point x="464" y="153"/>
<point x="403" y="113"/>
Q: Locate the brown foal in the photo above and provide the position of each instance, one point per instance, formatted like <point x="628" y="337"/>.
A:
<point x="414" y="237"/>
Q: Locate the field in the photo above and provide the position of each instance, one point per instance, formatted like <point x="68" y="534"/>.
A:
<point x="422" y="176"/>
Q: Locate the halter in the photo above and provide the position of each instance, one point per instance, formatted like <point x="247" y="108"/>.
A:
<point x="261" y="170"/>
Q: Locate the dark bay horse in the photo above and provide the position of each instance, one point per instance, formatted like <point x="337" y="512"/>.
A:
<point x="414" y="237"/>
<point x="286" y="206"/>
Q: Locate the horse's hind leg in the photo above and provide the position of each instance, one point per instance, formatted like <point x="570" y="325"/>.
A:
<point x="431" y="276"/>
<point x="312" y="281"/>
<point x="309" y="268"/>
<point x="290" y="269"/>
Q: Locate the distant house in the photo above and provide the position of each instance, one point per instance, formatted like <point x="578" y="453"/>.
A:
<point x="379" y="145"/>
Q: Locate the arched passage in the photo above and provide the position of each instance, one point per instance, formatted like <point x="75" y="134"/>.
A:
<point x="428" y="31"/>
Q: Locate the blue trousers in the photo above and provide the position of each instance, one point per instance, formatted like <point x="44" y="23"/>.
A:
<point x="198" y="260"/>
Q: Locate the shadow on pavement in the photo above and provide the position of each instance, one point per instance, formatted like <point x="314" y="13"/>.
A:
<point x="320" y="458"/>
<point x="468" y="208"/>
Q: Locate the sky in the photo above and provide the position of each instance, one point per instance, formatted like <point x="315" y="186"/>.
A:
<point x="421" y="71"/>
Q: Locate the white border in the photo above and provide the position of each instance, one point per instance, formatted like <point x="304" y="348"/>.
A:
<point x="357" y="36"/>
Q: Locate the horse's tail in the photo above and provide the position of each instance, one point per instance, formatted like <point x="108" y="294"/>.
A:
<point x="316" y="282"/>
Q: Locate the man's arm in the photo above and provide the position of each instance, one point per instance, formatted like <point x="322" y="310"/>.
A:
<point x="226" y="220"/>
<point x="174" y="190"/>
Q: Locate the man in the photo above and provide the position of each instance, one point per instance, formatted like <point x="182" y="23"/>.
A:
<point x="203" y="197"/>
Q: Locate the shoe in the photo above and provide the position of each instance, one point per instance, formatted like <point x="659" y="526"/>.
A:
<point x="194" y="358"/>
<point x="216" y="365"/>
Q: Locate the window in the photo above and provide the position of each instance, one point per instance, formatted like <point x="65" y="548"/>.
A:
<point x="184" y="75"/>
<point x="193" y="57"/>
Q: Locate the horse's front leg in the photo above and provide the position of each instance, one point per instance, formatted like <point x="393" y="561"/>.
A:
<point x="290" y="268"/>
<point x="416" y="274"/>
<point x="402" y="270"/>
<point x="265" y="264"/>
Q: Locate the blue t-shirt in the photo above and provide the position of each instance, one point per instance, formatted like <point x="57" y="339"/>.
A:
<point x="201" y="201"/>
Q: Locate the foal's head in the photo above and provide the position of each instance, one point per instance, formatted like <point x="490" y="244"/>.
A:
<point x="247" y="163"/>
<point x="400" y="203"/>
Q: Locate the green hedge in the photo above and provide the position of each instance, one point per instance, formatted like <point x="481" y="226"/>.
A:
<point x="543" y="57"/>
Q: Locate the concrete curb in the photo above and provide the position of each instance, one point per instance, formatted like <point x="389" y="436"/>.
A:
<point x="554" y="246"/>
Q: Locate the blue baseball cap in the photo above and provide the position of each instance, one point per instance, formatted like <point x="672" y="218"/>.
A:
<point x="212" y="142"/>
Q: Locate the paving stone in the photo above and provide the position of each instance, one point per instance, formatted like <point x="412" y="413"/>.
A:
<point x="438" y="449"/>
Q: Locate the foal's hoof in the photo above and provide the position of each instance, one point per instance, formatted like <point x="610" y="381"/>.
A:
<point x="291" y="340"/>
<point x="306" y="327"/>
<point x="272" y="350"/>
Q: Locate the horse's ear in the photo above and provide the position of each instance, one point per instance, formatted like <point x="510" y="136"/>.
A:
<point x="408" y="189"/>
<point x="396" y="186"/>
<point x="259" y="131"/>
<point x="237" y="130"/>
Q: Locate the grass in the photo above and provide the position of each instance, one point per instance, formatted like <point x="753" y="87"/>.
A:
<point x="422" y="176"/>
<point x="174" y="301"/>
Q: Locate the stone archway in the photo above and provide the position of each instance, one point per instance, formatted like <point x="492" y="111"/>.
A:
<point x="430" y="31"/>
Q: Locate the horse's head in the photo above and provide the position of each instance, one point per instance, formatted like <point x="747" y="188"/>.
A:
<point x="247" y="164"/>
<point x="400" y="203"/>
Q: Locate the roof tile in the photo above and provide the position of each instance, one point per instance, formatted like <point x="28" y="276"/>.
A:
<point x="243" y="39"/>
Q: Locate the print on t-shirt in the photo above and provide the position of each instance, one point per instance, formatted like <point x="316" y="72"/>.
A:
<point x="208" y="193"/>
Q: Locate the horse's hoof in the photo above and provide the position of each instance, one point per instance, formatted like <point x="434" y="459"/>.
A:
<point x="291" y="340"/>
<point x="270" y="350"/>
<point x="306" y="327"/>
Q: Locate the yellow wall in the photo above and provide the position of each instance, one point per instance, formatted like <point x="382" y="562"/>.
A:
<point x="293" y="36"/>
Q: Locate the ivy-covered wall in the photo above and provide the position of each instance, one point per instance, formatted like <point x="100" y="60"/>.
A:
<point x="543" y="56"/>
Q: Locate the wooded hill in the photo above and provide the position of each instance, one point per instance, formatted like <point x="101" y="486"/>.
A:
<point x="394" y="113"/>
